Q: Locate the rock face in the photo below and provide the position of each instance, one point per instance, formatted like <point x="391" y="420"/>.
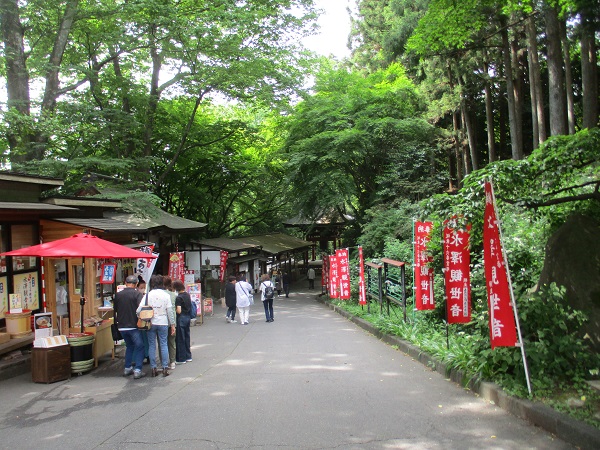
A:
<point x="573" y="260"/>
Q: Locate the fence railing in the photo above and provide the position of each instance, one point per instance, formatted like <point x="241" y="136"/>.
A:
<point x="386" y="283"/>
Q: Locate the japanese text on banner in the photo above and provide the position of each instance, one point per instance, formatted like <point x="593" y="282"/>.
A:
<point x="362" y="292"/>
<point x="177" y="266"/>
<point x="343" y="273"/>
<point x="457" y="273"/>
<point x="503" y="332"/>
<point x="333" y="277"/>
<point x="423" y="272"/>
<point x="223" y="265"/>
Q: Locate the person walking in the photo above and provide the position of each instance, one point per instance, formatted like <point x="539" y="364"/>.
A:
<point x="267" y="293"/>
<point x="311" y="278"/>
<point x="171" y="339"/>
<point x="125" y="305"/>
<point x="183" y="305"/>
<point x="286" y="279"/>
<point x="243" y="291"/>
<point x="230" y="299"/>
<point x="163" y="322"/>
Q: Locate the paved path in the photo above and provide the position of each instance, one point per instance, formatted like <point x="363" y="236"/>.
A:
<point x="309" y="380"/>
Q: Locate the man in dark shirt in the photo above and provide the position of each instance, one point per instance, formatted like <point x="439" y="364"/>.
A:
<point x="125" y="305"/>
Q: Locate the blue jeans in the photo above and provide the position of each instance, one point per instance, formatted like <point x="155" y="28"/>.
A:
<point x="134" y="348"/>
<point x="183" y="339"/>
<point x="231" y="312"/>
<point x="162" y="331"/>
<point x="268" y="304"/>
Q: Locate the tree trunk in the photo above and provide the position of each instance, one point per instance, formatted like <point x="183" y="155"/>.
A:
<point x="556" y="78"/>
<point x="129" y="141"/>
<point x="518" y="90"/>
<point x="589" y="69"/>
<point x="60" y="43"/>
<point x="17" y="77"/>
<point x="489" y="111"/>
<point x="538" y="114"/>
<point x="517" y="150"/>
<point x="457" y="150"/>
<point x="568" y="76"/>
<point x="466" y="119"/>
<point x="153" y="98"/>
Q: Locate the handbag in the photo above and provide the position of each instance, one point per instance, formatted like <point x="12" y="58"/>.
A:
<point x="145" y="316"/>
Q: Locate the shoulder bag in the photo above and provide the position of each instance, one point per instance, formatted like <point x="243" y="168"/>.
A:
<point x="145" y="316"/>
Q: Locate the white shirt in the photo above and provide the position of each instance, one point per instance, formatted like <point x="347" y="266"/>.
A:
<point x="243" y="291"/>
<point x="160" y="300"/>
<point x="263" y="285"/>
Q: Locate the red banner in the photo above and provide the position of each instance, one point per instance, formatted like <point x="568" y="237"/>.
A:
<point x="325" y="270"/>
<point x="223" y="265"/>
<point x="344" y="273"/>
<point x="177" y="266"/>
<point x="423" y="273"/>
<point x="362" y="292"/>
<point x="503" y="331"/>
<point x="333" y="277"/>
<point x="457" y="272"/>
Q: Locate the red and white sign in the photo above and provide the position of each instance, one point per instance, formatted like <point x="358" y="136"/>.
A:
<point x="362" y="292"/>
<point x="423" y="272"/>
<point x="144" y="267"/>
<point x="325" y="270"/>
<point x="457" y="272"/>
<point x="344" y="273"/>
<point x="503" y="331"/>
<point x="333" y="277"/>
<point x="177" y="266"/>
<point x="223" y="265"/>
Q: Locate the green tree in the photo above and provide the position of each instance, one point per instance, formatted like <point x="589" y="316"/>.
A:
<point x="348" y="144"/>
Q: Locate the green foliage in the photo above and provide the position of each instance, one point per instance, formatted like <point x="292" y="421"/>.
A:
<point x="347" y="145"/>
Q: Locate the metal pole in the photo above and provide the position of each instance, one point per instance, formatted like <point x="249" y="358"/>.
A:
<point x="512" y="296"/>
<point x="82" y="297"/>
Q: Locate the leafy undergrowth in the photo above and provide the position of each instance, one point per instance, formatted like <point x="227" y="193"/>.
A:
<point x="469" y="352"/>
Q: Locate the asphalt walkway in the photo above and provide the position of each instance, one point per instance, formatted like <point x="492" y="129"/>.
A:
<point x="309" y="380"/>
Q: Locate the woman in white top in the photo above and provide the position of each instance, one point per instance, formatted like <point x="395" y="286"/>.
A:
<point x="243" y="293"/>
<point x="163" y="321"/>
<point x="267" y="293"/>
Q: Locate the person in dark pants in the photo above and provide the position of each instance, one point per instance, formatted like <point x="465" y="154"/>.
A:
<point x="311" y="278"/>
<point x="125" y="305"/>
<point x="230" y="299"/>
<point x="183" y="307"/>
<point x="286" y="284"/>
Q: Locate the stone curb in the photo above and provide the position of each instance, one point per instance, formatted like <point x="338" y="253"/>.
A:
<point x="578" y="433"/>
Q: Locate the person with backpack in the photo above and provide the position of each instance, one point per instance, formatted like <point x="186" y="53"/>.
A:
<point x="183" y="307"/>
<point x="267" y="294"/>
<point x="244" y="298"/>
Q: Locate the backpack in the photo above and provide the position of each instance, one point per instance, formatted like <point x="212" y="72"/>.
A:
<point x="269" y="292"/>
<point x="193" y="310"/>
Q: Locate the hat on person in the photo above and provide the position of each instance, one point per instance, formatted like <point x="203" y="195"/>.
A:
<point x="131" y="279"/>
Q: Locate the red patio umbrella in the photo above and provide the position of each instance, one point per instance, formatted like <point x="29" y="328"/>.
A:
<point x="80" y="246"/>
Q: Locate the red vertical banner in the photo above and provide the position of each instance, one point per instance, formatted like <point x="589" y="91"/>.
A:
<point x="423" y="272"/>
<point x="223" y="265"/>
<point x="325" y="271"/>
<point x="333" y="277"/>
<point x="344" y="273"/>
<point x="503" y="332"/>
<point x="457" y="272"/>
<point x="177" y="266"/>
<point x="362" y="291"/>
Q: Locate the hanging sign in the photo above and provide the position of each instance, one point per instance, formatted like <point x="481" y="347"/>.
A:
<point x="362" y="292"/>
<point x="223" y="265"/>
<point x="107" y="273"/>
<point x="333" y="277"/>
<point x="177" y="266"/>
<point x="457" y="272"/>
<point x="325" y="271"/>
<point x="423" y="272"/>
<point x="343" y="273"/>
<point x="503" y="331"/>
<point x="145" y="266"/>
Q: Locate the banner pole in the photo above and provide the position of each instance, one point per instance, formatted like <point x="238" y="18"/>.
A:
<point x="512" y="295"/>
